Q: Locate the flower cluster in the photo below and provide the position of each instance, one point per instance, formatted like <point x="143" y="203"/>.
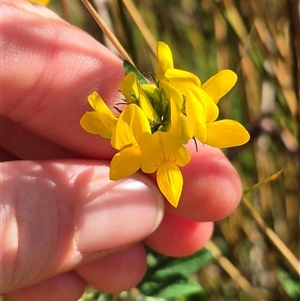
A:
<point x="159" y="119"/>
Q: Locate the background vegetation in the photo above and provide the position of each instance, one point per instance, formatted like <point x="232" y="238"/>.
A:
<point x="254" y="250"/>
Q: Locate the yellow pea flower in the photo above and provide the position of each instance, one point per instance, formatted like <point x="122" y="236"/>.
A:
<point x="202" y="112"/>
<point x="201" y="101"/>
<point x="150" y="133"/>
<point x="101" y="121"/>
<point x="164" y="153"/>
<point x="138" y="148"/>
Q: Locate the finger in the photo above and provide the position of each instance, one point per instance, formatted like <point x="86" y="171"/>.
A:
<point x="212" y="187"/>
<point x="178" y="237"/>
<point x="64" y="287"/>
<point x="116" y="272"/>
<point x="6" y="155"/>
<point x="23" y="144"/>
<point x="111" y="274"/>
<point x="59" y="215"/>
<point x="65" y="65"/>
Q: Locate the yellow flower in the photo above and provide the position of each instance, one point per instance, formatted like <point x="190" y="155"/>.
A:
<point x="201" y="100"/>
<point x="164" y="153"/>
<point x="202" y="112"/>
<point x="139" y="148"/>
<point x="101" y="121"/>
<point x="158" y="119"/>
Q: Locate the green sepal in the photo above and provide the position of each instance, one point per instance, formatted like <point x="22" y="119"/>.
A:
<point x="128" y="67"/>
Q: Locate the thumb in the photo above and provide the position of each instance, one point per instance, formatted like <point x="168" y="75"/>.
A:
<point x="59" y="215"/>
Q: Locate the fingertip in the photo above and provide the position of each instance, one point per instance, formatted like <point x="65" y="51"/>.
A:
<point x="178" y="237"/>
<point x="116" y="272"/>
<point x="212" y="187"/>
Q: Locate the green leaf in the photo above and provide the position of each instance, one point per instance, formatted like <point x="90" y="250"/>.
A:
<point x="169" y="277"/>
<point x="187" y="265"/>
<point x="177" y="287"/>
<point x="183" y="266"/>
<point x="128" y="67"/>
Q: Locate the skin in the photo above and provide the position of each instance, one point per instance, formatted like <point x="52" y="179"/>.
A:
<point x="63" y="223"/>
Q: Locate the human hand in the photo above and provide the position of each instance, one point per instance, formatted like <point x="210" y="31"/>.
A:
<point x="64" y="223"/>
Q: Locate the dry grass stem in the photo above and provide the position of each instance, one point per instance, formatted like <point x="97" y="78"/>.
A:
<point x="108" y="33"/>
<point x="273" y="237"/>
<point x="233" y="272"/>
<point x="146" y="33"/>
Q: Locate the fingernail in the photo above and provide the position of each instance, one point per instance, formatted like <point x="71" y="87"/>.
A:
<point x="116" y="213"/>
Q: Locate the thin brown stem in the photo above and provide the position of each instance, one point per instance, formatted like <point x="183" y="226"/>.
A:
<point x="108" y="33"/>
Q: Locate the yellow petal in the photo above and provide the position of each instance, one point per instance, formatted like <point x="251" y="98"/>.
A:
<point x="135" y="117"/>
<point x="95" y="100"/>
<point x="175" y="126"/>
<point x="132" y="122"/>
<point x="125" y="163"/>
<point x="183" y="157"/>
<point x="196" y="113"/>
<point x="147" y="147"/>
<point x="170" y="182"/>
<point x="165" y="59"/>
<point x="182" y="80"/>
<point x="122" y="136"/>
<point x="187" y="130"/>
<point x="211" y="109"/>
<point x="158" y="148"/>
<point x="220" y="84"/>
<point x="226" y="133"/>
<point x="171" y="92"/>
<point x="92" y="123"/>
<point x="146" y="105"/>
<point x="129" y="88"/>
<point x="179" y="126"/>
<point x="98" y="104"/>
<point x="162" y="147"/>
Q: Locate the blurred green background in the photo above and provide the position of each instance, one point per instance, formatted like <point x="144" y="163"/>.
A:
<point x="254" y="249"/>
